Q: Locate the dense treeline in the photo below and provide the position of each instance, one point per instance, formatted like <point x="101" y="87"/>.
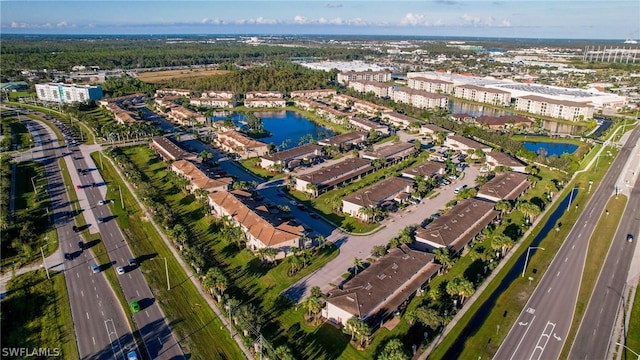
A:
<point x="282" y="76"/>
<point x="109" y="53"/>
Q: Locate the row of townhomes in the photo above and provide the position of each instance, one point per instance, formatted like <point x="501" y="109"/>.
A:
<point x="120" y="107"/>
<point x="262" y="226"/>
<point x="376" y="293"/>
<point x="459" y="226"/>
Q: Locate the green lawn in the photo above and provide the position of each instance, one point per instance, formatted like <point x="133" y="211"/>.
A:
<point x="196" y="326"/>
<point x="633" y="333"/>
<point x="252" y="165"/>
<point x="36" y="314"/>
<point x="17" y="137"/>
<point x="30" y="230"/>
<point x="485" y="341"/>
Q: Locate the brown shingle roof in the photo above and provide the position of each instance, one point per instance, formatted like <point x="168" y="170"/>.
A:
<point x="505" y="186"/>
<point x="167" y="148"/>
<point x="355" y="136"/>
<point x="426" y="169"/>
<point x="554" y="101"/>
<point x="373" y="195"/>
<point x="392" y="150"/>
<point x="377" y="291"/>
<point x="296" y="152"/>
<point x="458" y="226"/>
<point x="338" y="171"/>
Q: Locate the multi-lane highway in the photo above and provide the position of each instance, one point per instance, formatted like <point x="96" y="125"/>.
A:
<point x="102" y="330"/>
<point x="594" y="338"/>
<point x="541" y="329"/>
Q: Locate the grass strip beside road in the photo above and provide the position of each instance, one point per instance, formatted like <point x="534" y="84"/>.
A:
<point x="599" y="245"/>
<point x="633" y="333"/>
<point x="36" y="314"/>
<point x="197" y="328"/>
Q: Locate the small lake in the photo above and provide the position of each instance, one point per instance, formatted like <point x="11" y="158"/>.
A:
<point x="287" y="128"/>
<point x="549" y="148"/>
<point x="474" y="110"/>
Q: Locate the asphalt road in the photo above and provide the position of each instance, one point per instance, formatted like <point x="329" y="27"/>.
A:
<point x="102" y="331"/>
<point x="594" y="337"/>
<point x="155" y="331"/>
<point x="541" y="329"/>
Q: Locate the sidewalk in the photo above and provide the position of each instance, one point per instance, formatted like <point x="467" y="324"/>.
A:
<point x="53" y="261"/>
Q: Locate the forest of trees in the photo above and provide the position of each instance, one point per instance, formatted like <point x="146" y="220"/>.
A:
<point x="62" y="53"/>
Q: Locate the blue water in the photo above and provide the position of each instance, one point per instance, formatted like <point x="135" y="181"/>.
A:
<point x="480" y="316"/>
<point x="287" y="128"/>
<point x="550" y="148"/>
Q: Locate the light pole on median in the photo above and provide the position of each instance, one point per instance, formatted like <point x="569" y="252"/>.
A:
<point x="526" y="260"/>
<point x="626" y="347"/>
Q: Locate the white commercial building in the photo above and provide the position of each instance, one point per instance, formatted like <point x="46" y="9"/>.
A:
<point x="68" y="93"/>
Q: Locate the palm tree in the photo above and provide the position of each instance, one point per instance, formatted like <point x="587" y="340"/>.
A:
<point x="428" y="317"/>
<point x="393" y="350"/>
<point x="357" y="263"/>
<point x="312" y="189"/>
<point x="460" y="287"/>
<point x="366" y="213"/>
<point x="503" y="206"/>
<point x="316" y="292"/>
<point x="363" y="332"/>
<point x="443" y="256"/>
<point x="283" y="352"/>
<point x="501" y="242"/>
<point x="351" y="327"/>
<point x="313" y="305"/>
<point x="321" y="241"/>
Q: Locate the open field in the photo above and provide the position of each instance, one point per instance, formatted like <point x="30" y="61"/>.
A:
<point x="165" y="75"/>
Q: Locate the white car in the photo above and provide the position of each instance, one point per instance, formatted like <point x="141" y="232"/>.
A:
<point x="102" y="202"/>
<point x="120" y="270"/>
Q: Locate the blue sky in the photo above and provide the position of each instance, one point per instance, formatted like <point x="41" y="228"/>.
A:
<point x="593" y="19"/>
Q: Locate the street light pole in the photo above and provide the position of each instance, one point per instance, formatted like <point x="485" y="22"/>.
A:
<point x="44" y="263"/>
<point x="121" y="199"/>
<point x="626" y="347"/>
<point x="526" y="260"/>
<point x="34" y="185"/>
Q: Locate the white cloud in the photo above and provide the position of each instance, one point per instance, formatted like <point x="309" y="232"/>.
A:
<point x="506" y="23"/>
<point x="261" y="20"/>
<point x="62" y="23"/>
<point x="212" y="21"/>
<point x="471" y="19"/>
<point x="333" y="5"/>
<point x="299" y="19"/>
<point x="16" y="25"/>
<point x="413" y="19"/>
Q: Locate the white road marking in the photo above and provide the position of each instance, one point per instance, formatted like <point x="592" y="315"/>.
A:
<point x="97" y="297"/>
<point x="94" y="288"/>
<point x="94" y="340"/>
<point x="573" y="246"/>
<point x="548" y="291"/>
<point x="522" y="338"/>
<point x="82" y="293"/>
<point x="565" y="259"/>
<point x="146" y="313"/>
<point x="130" y="276"/>
<point x="558" y="338"/>
<point x="87" y="316"/>
<point x="543" y="337"/>
<point x="137" y="293"/>
<point x="78" y="275"/>
<point x="558" y="274"/>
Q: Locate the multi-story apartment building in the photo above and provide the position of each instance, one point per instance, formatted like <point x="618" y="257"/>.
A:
<point x="185" y="116"/>
<point x="430" y="85"/>
<point x="381" y="76"/>
<point x="68" y="93"/>
<point x="313" y="94"/>
<point x="560" y="109"/>
<point x="245" y="147"/>
<point x="419" y="98"/>
<point x="380" y="89"/>
<point x="482" y="94"/>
